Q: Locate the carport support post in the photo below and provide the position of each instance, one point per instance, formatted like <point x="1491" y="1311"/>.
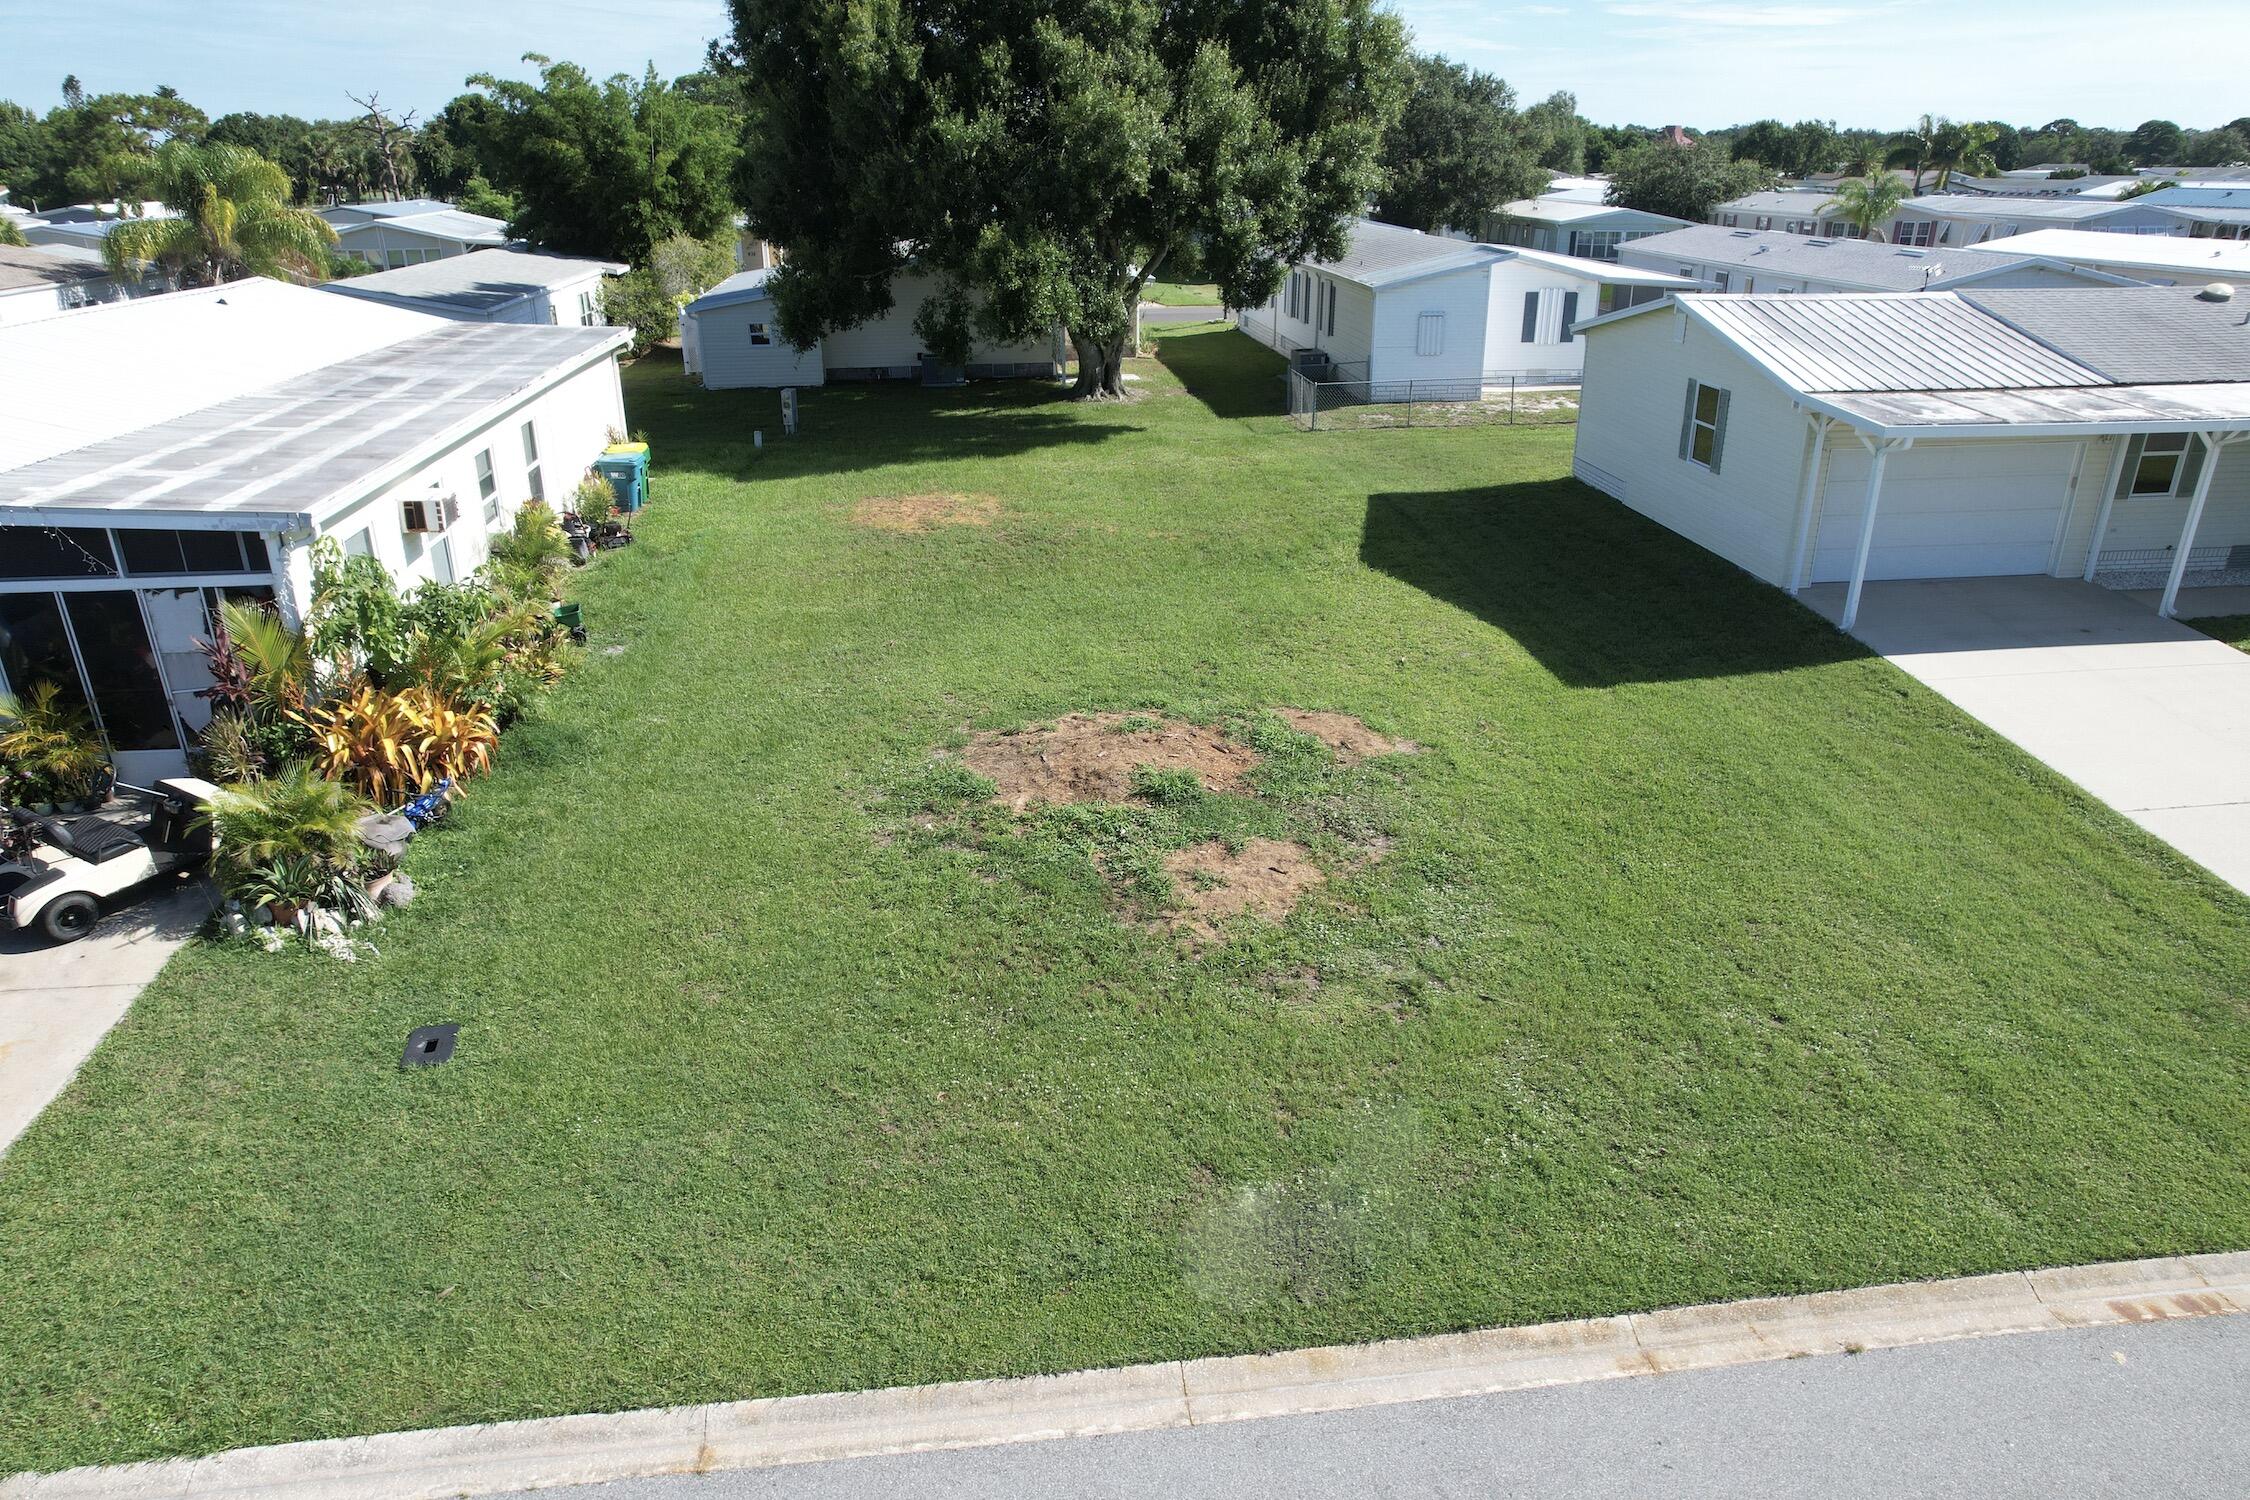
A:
<point x="2210" y="442"/>
<point x="2109" y="501"/>
<point x="1808" y="496"/>
<point x="1882" y="452"/>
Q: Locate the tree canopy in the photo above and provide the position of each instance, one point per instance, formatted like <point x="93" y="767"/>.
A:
<point x="1043" y="159"/>
<point x="234" y="220"/>
<point x="1659" y="177"/>
<point x="1459" y="151"/>
<point x="607" y="168"/>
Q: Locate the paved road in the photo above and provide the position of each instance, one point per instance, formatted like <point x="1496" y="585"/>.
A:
<point x="2158" y="1409"/>
<point x="57" y="1003"/>
<point x="1157" y="312"/>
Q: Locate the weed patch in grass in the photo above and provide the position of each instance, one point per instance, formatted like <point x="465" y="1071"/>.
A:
<point x="1351" y="740"/>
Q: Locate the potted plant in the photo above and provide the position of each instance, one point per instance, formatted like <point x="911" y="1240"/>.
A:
<point x="284" y="886"/>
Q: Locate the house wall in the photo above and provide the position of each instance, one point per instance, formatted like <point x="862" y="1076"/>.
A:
<point x="1552" y="355"/>
<point x="1460" y="297"/>
<point x="716" y="345"/>
<point x="2143" y="533"/>
<point x="572" y="420"/>
<point x="381" y="243"/>
<point x="31" y="303"/>
<point x="888" y="347"/>
<point x="1636" y="374"/>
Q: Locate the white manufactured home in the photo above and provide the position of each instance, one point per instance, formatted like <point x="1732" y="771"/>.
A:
<point x="409" y="231"/>
<point x="1401" y="306"/>
<point x="730" y="337"/>
<point x="2158" y="260"/>
<point x="39" y="281"/>
<point x="493" y="286"/>
<point x="1571" y="223"/>
<point x="159" y="455"/>
<point x="1810" y="439"/>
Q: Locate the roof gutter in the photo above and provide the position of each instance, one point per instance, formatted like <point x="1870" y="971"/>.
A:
<point x="1940" y="431"/>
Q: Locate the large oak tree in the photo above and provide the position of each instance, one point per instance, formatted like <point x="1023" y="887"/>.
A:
<point x="1042" y="158"/>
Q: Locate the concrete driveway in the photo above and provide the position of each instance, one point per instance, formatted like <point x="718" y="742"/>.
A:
<point x="2147" y="714"/>
<point x="57" y="1003"/>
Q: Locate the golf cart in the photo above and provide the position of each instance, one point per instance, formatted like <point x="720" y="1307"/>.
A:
<point x="56" y="871"/>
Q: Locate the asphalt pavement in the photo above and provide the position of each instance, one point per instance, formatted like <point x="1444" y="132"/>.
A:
<point x="2154" y="1409"/>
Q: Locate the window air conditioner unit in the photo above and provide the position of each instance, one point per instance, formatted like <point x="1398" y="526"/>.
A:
<point x="433" y="514"/>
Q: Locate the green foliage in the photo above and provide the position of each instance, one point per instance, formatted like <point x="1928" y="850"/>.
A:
<point x="286" y="879"/>
<point x="528" y="560"/>
<point x="1092" y="136"/>
<point x="229" y="749"/>
<point x="1798" y="150"/>
<point x="478" y="196"/>
<point x="234" y="220"/>
<point x="2156" y="143"/>
<point x="1867" y="202"/>
<point x="1458" y="151"/>
<point x="9" y="234"/>
<point x="356" y="619"/>
<point x="296" y="813"/>
<point x="279" y="659"/>
<point x="1935" y="144"/>
<point x="49" y="751"/>
<point x="637" y="300"/>
<point x="610" y="168"/>
<point x="1683" y="181"/>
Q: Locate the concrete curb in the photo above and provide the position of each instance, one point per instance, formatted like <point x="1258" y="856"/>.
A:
<point x="506" y="1456"/>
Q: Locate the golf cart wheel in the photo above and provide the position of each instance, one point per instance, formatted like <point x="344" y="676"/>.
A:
<point x="70" y="918"/>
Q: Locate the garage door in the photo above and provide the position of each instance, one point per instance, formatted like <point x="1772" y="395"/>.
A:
<point x="1967" y="510"/>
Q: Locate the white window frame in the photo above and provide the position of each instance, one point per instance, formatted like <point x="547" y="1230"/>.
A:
<point x="761" y="336"/>
<point x="2142" y="456"/>
<point x="1706" y="433"/>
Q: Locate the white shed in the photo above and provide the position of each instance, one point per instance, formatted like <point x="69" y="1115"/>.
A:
<point x="1840" y="438"/>
<point x="161" y="454"/>
<point x="731" y="337"/>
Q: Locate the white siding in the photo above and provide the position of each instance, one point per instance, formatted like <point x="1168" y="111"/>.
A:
<point x="573" y="422"/>
<point x="890" y="343"/>
<point x="1629" y="438"/>
<point x="2150" y="526"/>
<point x="385" y="244"/>
<point x="1457" y="296"/>
<point x="717" y="345"/>
<point x="1505" y="352"/>
<point x="1948" y="510"/>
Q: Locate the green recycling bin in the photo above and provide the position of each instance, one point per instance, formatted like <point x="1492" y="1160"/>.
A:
<point x="625" y="467"/>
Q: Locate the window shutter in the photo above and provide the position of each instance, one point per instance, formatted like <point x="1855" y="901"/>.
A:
<point x="1719" y="431"/>
<point x="1530" y="317"/>
<point x="1687" y="420"/>
<point x="2132" y="464"/>
<point x="1569" y="314"/>
<point x="2191" y="465"/>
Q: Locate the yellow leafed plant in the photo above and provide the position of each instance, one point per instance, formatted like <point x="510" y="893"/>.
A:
<point x="392" y="745"/>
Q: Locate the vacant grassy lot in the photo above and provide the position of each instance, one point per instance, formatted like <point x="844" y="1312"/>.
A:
<point x="1709" y="957"/>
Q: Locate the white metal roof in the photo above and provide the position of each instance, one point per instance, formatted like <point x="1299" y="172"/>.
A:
<point x="2021" y="362"/>
<point x="1867" y="265"/>
<point x="1380" y="255"/>
<point x="1575" y="210"/>
<point x="2204" y="259"/>
<point x="442" y="223"/>
<point x="481" y="282"/>
<point x="84" y="376"/>
<point x="742" y="286"/>
<point x="1613" y="273"/>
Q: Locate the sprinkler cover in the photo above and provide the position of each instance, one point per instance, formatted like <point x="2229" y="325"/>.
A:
<point x="427" y="1046"/>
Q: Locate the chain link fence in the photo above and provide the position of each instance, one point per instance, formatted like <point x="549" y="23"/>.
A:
<point x="1342" y="398"/>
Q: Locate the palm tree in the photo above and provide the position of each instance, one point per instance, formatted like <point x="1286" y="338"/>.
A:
<point x="1868" y="202"/>
<point x="1962" y="147"/>
<point x="235" y="220"/>
<point x="1912" y="148"/>
<point x="9" y="233"/>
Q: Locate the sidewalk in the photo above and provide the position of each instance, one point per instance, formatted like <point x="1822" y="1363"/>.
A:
<point x="57" y="1003"/>
<point x="514" y="1456"/>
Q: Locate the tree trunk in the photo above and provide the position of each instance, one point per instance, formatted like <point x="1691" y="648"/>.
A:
<point x="1101" y="369"/>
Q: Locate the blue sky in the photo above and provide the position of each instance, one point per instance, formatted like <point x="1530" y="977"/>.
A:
<point x="1650" y="62"/>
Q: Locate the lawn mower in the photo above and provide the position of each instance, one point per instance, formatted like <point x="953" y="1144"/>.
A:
<point x="57" y="871"/>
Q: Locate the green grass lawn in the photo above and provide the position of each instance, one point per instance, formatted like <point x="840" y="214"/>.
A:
<point x="2233" y="629"/>
<point x="1710" y="957"/>
<point x="1181" y="293"/>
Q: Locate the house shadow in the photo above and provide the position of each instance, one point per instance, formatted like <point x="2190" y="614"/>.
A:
<point x="850" y="426"/>
<point x="1599" y="595"/>
<point x="1232" y="374"/>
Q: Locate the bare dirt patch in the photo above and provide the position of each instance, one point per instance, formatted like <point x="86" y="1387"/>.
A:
<point x="1352" y="741"/>
<point x="1092" y="758"/>
<point x="915" y="513"/>
<point x="1264" y="878"/>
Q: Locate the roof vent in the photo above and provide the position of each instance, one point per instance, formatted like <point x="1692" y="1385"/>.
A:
<point x="1823" y="244"/>
<point x="2217" y="291"/>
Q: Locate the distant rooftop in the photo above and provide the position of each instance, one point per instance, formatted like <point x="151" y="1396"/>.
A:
<point x="1572" y="210"/>
<point x="419" y="216"/>
<point x="1863" y="265"/>
<point x="23" y="268"/>
<point x="1380" y="254"/>
<point x="2199" y="259"/>
<point x="483" y="281"/>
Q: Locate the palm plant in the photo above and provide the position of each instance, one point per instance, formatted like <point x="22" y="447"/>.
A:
<point x="10" y="234"/>
<point x="295" y="813"/>
<point x="1957" y="146"/>
<point x="48" y="745"/>
<point x="1912" y="149"/>
<point x="235" y="220"/>
<point x="1868" y="202"/>
<point x="276" y="657"/>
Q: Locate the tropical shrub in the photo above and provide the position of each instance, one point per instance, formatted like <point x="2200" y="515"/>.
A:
<point x="296" y="813"/>
<point x="285" y="880"/>
<point x="48" y="748"/>
<point x="357" y="618"/>
<point x="392" y="744"/>
<point x="276" y="661"/>
<point x="593" y="499"/>
<point x="528" y="561"/>
<point x="230" y="748"/>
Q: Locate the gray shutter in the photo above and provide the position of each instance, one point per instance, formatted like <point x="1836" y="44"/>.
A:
<point x="2133" y="447"/>
<point x="1569" y="314"/>
<point x="1687" y="420"/>
<point x="1719" y="431"/>
<point x="2191" y="465"/>
<point x="1530" y="317"/>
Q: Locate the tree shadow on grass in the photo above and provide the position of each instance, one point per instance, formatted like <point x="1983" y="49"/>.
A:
<point x="1598" y="595"/>
<point x="1232" y="374"/>
<point x="851" y="426"/>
